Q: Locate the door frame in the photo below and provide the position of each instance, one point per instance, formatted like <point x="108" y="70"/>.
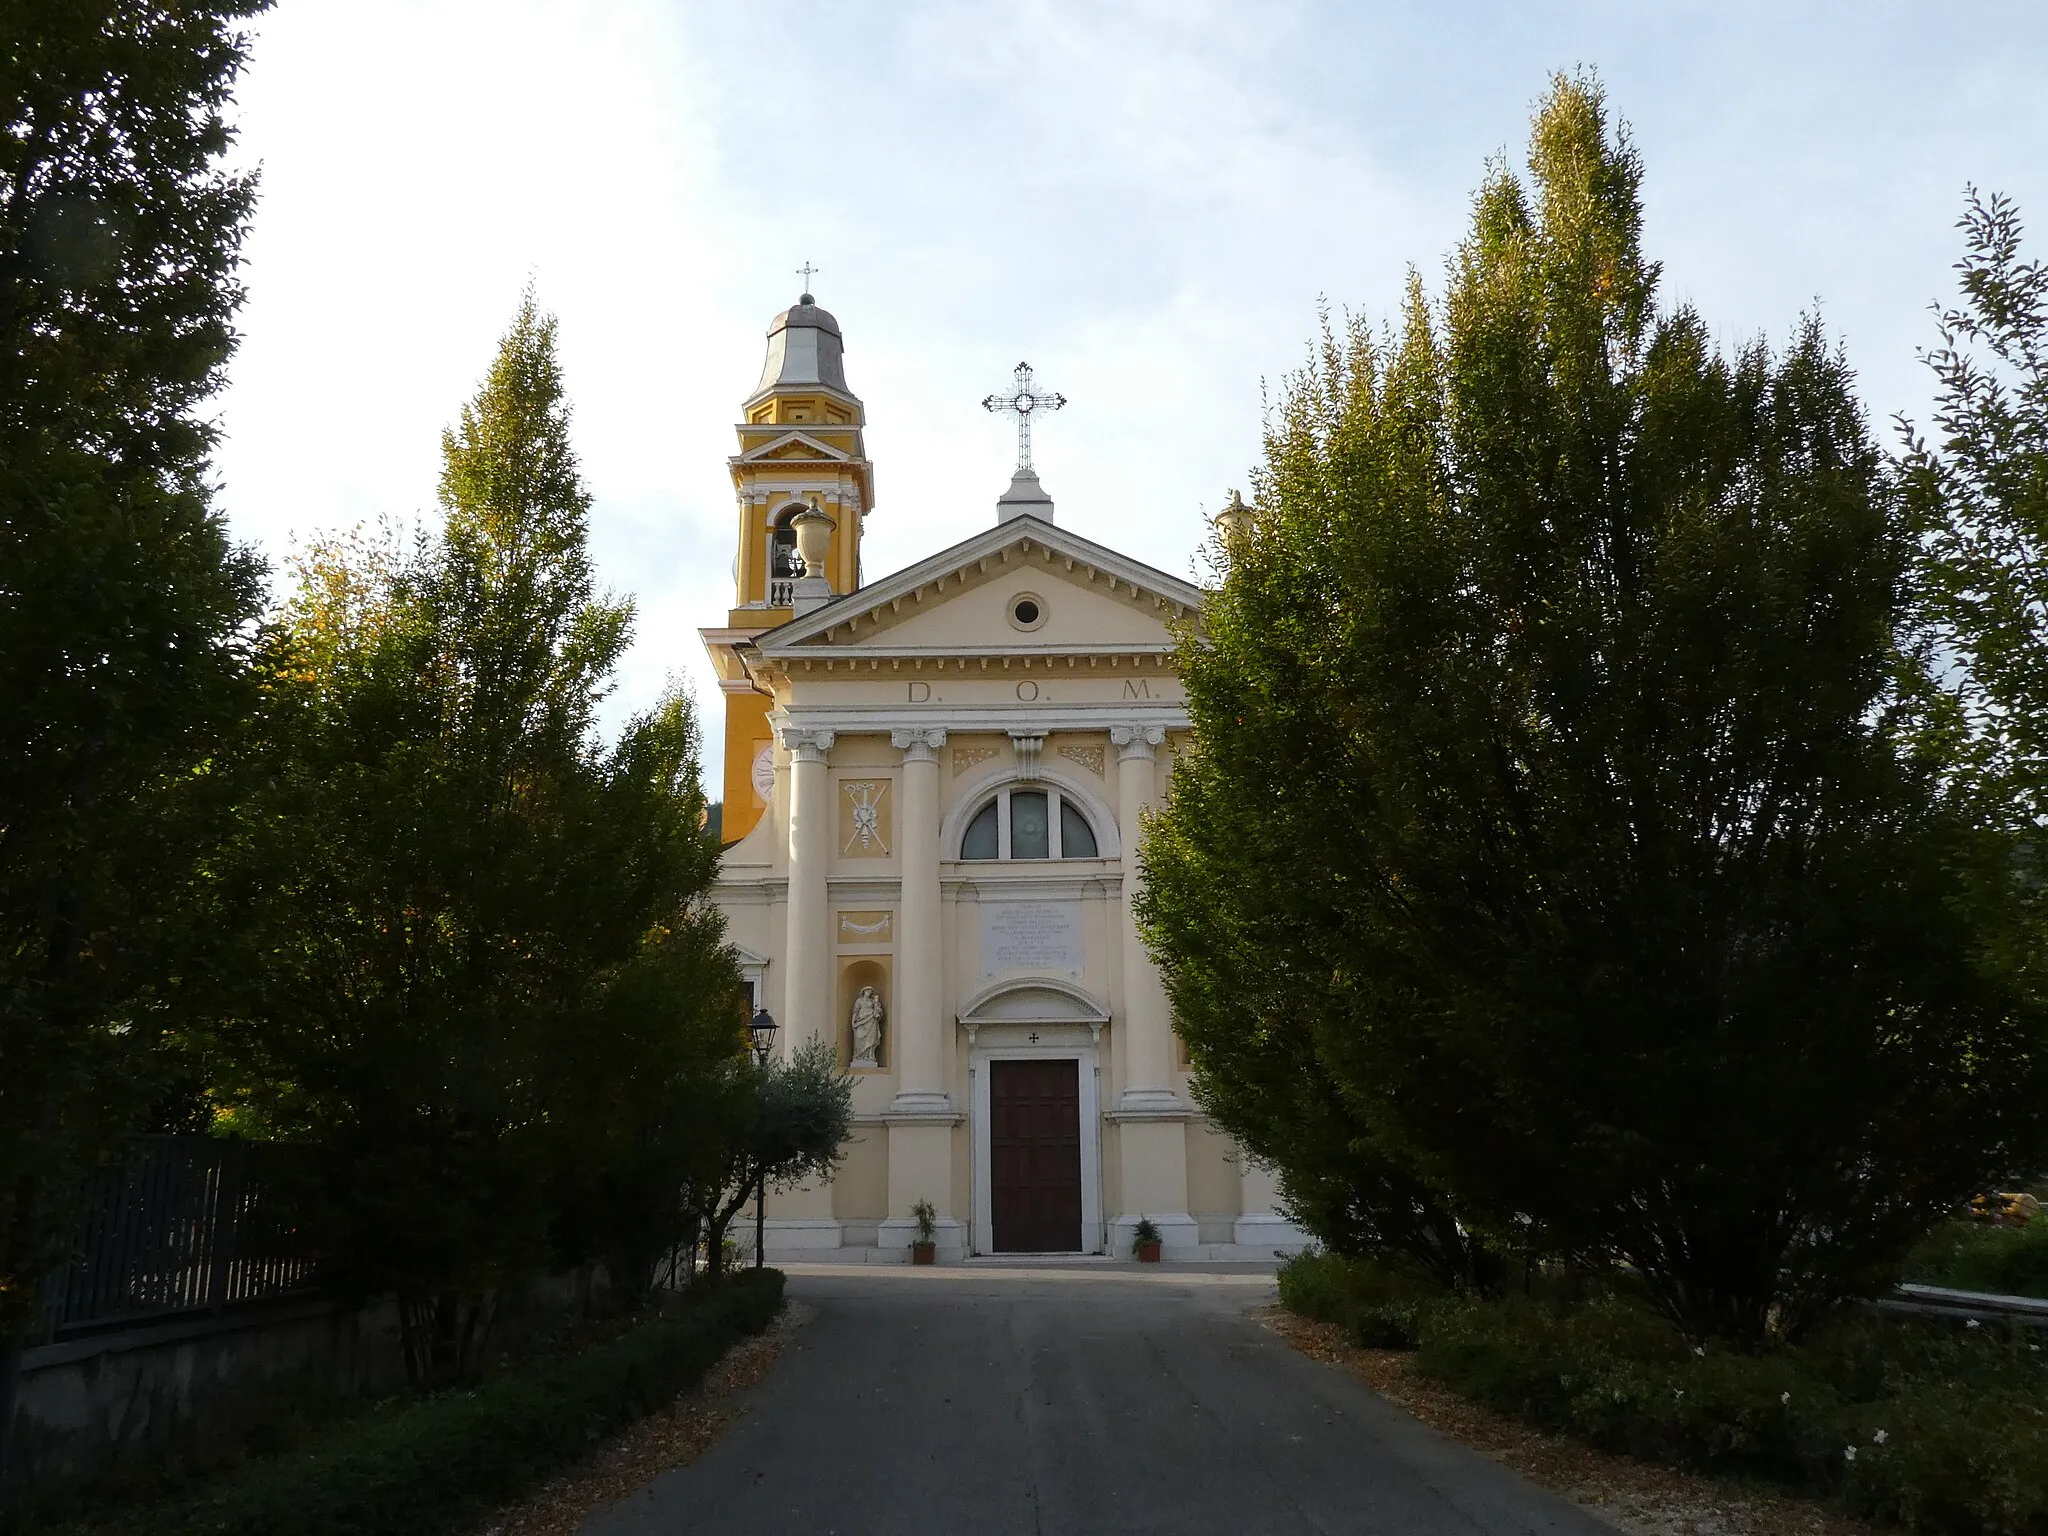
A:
<point x="1078" y="1043"/>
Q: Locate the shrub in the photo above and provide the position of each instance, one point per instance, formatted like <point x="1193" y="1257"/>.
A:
<point x="1939" y="1427"/>
<point x="1615" y="1374"/>
<point x="1949" y="1460"/>
<point x="1378" y="1305"/>
<point x="1974" y="1256"/>
<point x="434" y="1465"/>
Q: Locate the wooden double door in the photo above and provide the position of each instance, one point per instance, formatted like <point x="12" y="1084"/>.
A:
<point x="1035" y="1156"/>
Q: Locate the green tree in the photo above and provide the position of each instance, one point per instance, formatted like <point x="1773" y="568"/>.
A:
<point x="1548" y="804"/>
<point x="793" y="1118"/>
<point x="1980" y="500"/>
<point x="456" y="884"/>
<point x="124" y="607"/>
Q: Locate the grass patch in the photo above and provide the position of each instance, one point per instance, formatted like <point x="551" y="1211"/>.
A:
<point x="1975" y="1256"/>
<point x="424" y="1466"/>
<point x="1931" y="1425"/>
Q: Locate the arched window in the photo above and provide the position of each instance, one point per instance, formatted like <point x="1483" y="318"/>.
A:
<point x="1029" y="824"/>
<point x="783" y="564"/>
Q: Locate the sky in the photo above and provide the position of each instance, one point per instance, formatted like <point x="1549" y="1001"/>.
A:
<point x="1146" y="199"/>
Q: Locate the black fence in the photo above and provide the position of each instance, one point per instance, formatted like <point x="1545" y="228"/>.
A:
<point x="185" y="1225"/>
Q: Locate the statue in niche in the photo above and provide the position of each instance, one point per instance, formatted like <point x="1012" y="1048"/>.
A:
<point x="868" y="1017"/>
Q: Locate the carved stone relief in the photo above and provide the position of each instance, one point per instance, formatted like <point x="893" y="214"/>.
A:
<point x="866" y="928"/>
<point x="1088" y="757"/>
<point x="965" y="758"/>
<point x="864" y="819"/>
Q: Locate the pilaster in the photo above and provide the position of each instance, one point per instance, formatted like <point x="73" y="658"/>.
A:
<point x="1152" y="1118"/>
<point x="804" y="1215"/>
<point x="920" y="968"/>
<point x="1148" y="1022"/>
<point x="922" y="1116"/>
<point x="1261" y="1226"/>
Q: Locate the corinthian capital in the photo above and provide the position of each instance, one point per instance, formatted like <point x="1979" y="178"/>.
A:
<point x="919" y="743"/>
<point x="806" y="743"/>
<point x="1136" y="740"/>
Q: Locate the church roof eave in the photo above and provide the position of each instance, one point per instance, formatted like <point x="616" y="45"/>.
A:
<point x="798" y="387"/>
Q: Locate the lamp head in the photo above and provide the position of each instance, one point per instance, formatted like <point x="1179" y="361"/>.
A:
<point x="761" y="1028"/>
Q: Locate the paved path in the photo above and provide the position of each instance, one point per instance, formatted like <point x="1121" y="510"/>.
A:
<point x="1058" y="1402"/>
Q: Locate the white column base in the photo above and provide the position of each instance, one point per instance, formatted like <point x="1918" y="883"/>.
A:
<point x="801" y="1237"/>
<point x="1151" y="1104"/>
<point x="1268" y="1232"/>
<point x="1179" y="1234"/>
<point x="922" y="1106"/>
<point x="894" y="1237"/>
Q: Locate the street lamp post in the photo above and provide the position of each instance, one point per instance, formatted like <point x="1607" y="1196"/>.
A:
<point x="762" y="1029"/>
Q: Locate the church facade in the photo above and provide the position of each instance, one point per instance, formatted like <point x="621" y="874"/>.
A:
<point x="933" y="787"/>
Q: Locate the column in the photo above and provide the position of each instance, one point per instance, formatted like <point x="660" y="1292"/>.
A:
<point x="801" y="1220"/>
<point x="1261" y="1227"/>
<point x="922" y="1116"/>
<point x="920" y="973"/>
<point x="1148" y="1022"/>
<point x="1152" y="1120"/>
<point x="807" y="942"/>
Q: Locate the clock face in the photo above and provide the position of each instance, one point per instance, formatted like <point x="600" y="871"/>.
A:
<point x="764" y="773"/>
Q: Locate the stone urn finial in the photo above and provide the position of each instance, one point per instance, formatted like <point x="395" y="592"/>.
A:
<point x="813" y="538"/>
<point x="1234" y="519"/>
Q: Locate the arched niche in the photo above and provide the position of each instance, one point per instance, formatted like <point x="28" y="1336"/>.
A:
<point x="855" y="972"/>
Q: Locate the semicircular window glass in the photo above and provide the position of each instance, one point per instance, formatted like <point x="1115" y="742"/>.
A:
<point x="1077" y="838"/>
<point x="981" y="841"/>
<point x="1029" y="824"/>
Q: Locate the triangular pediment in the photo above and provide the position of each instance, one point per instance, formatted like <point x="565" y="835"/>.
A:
<point x="793" y="445"/>
<point x="963" y="601"/>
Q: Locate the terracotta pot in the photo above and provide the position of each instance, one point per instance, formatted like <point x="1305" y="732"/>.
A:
<point x="1148" y="1253"/>
<point x="924" y="1253"/>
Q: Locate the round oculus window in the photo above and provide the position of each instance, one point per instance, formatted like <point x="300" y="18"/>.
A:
<point x="1027" y="610"/>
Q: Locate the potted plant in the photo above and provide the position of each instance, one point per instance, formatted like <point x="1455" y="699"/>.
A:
<point x="924" y="1247"/>
<point x="1145" y="1241"/>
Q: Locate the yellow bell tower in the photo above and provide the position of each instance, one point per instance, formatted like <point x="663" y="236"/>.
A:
<point x="800" y="448"/>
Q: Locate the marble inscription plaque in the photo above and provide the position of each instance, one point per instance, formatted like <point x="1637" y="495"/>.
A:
<point x="1043" y="937"/>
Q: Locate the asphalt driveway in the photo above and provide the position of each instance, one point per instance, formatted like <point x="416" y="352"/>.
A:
<point x="1057" y="1402"/>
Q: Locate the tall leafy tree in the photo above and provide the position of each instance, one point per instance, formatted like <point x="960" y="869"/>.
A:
<point x="124" y="607"/>
<point x="450" y="869"/>
<point x="1548" y="813"/>
<point x="1979" y="494"/>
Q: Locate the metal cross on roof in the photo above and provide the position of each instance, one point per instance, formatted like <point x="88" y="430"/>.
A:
<point x="806" y="271"/>
<point x="1023" y="402"/>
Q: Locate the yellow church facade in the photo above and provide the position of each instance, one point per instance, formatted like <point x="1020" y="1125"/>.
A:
<point x="934" y="784"/>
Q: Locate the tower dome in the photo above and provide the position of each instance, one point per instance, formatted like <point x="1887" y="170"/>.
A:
<point x="805" y="350"/>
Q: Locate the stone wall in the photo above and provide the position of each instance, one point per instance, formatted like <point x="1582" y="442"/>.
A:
<point x="87" y="1404"/>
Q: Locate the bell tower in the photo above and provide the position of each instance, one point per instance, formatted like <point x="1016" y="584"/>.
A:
<point x="801" y="452"/>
